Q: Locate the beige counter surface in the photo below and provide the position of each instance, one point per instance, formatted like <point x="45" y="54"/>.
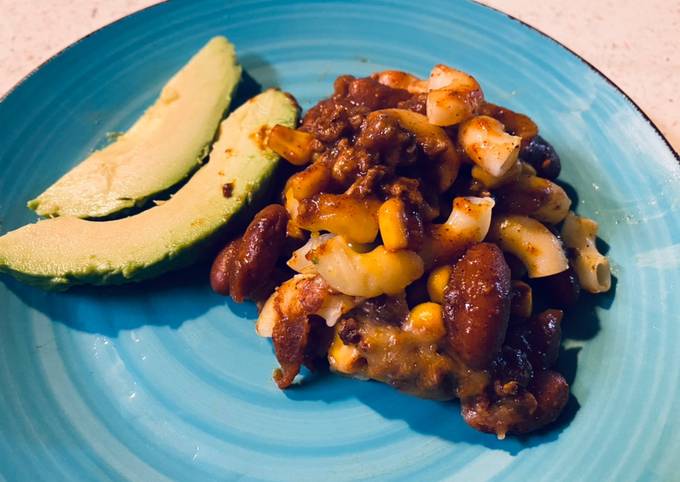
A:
<point x="636" y="44"/>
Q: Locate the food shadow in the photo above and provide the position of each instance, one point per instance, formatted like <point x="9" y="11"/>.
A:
<point x="256" y="70"/>
<point x="426" y="417"/>
<point x="247" y="88"/>
<point x="169" y="300"/>
<point x="430" y="418"/>
<point x="580" y="323"/>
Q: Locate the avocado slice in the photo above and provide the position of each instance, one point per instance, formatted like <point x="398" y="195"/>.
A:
<point x="164" y="146"/>
<point x="59" y="252"/>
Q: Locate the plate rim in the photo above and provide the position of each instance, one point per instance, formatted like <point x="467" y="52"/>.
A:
<point x="587" y="63"/>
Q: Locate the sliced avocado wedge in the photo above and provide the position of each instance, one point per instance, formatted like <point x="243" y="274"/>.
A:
<point x="59" y="252"/>
<point x="162" y="148"/>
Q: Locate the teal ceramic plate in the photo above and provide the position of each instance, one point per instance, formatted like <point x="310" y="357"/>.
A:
<point x="165" y="380"/>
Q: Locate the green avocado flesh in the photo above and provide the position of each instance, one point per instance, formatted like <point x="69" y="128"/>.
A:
<point x="59" y="252"/>
<point x="162" y="148"/>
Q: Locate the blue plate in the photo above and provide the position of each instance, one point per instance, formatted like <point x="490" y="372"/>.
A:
<point x="165" y="380"/>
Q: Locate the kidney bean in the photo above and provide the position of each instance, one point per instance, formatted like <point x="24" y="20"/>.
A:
<point x="512" y="365"/>
<point x="539" y="337"/>
<point x="551" y="392"/>
<point x="477" y="305"/>
<point x="248" y="261"/>
<point x="543" y="157"/>
<point x="222" y="266"/>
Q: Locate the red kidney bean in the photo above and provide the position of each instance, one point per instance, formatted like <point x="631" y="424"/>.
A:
<point x="539" y="337"/>
<point x="543" y="157"/>
<point x="222" y="266"/>
<point x="551" y="391"/>
<point x="477" y="305"/>
<point x="245" y="264"/>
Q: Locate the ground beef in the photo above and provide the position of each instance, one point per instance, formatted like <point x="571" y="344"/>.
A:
<point x="343" y="113"/>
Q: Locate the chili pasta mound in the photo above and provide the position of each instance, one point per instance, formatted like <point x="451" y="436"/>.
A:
<point x="409" y="244"/>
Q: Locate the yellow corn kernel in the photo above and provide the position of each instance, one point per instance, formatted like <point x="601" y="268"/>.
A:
<point x="304" y="184"/>
<point x="342" y="358"/>
<point x="392" y="223"/>
<point x="437" y="282"/>
<point x="293" y="145"/>
<point x="426" y="321"/>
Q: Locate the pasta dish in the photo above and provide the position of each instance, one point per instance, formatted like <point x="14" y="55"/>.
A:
<point x="422" y="242"/>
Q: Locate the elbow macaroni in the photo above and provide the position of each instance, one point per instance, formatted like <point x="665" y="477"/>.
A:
<point x="370" y="274"/>
<point x="592" y="267"/>
<point x="354" y="218"/>
<point x="486" y="143"/>
<point x="493" y="182"/>
<point x="299" y="260"/>
<point x="453" y="96"/>
<point x="401" y="80"/>
<point x="285" y="302"/>
<point x="556" y="205"/>
<point x="530" y="241"/>
<point x="468" y="224"/>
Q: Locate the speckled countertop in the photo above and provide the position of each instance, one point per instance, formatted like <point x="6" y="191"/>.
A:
<point x="636" y="45"/>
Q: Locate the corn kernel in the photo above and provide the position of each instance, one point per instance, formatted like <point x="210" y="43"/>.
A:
<point x="392" y="224"/>
<point x="437" y="282"/>
<point x="342" y="358"/>
<point x="313" y="180"/>
<point x="293" y="145"/>
<point x="426" y="320"/>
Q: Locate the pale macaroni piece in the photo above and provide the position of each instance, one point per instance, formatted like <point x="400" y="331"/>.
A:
<point x="591" y="266"/>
